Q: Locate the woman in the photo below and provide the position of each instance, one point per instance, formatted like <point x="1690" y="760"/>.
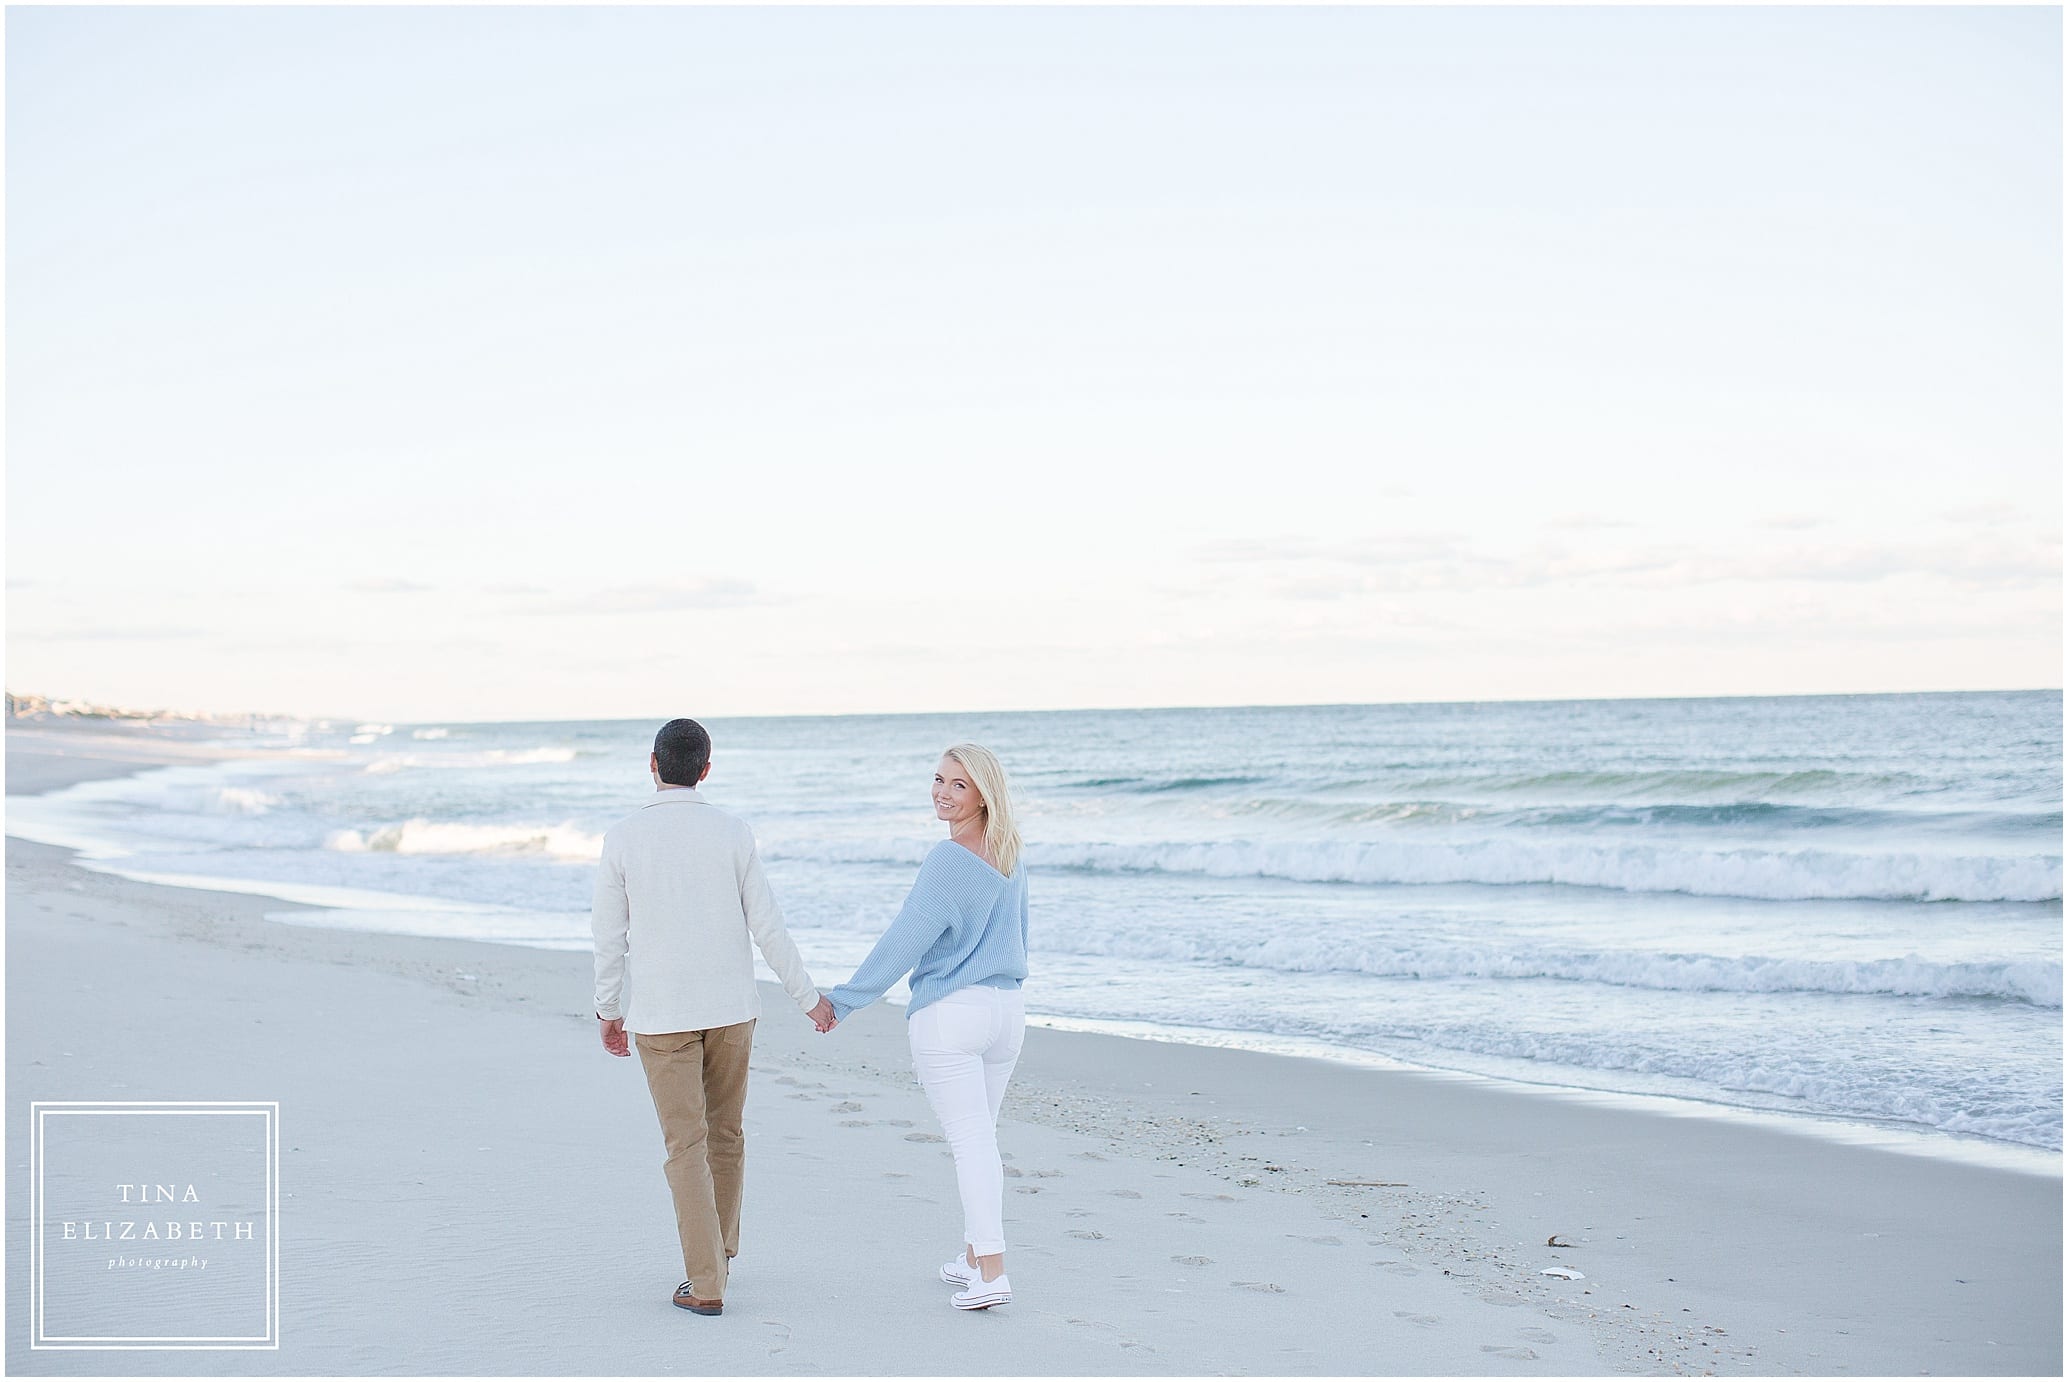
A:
<point x="962" y="934"/>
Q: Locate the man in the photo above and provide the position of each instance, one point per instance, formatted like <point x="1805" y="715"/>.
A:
<point x="680" y="889"/>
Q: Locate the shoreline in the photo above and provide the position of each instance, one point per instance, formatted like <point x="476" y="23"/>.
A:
<point x="1903" y="1139"/>
<point x="62" y="755"/>
<point x="1836" y="1258"/>
<point x="45" y="757"/>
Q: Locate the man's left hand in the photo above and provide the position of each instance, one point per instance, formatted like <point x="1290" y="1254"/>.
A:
<point x="614" y="1039"/>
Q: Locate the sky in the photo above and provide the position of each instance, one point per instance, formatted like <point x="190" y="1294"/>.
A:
<point x="448" y="364"/>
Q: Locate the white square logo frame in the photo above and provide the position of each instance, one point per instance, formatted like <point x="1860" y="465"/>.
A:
<point x="40" y="1114"/>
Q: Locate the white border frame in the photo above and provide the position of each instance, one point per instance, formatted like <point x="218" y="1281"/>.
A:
<point x="42" y="1110"/>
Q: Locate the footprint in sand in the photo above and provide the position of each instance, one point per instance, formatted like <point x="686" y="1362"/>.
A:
<point x="897" y="1175"/>
<point x="924" y="1137"/>
<point x="1325" y="1241"/>
<point x="1412" y="1318"/>
<point x="1512" y="1352"/>
<point x="1012" y="1172"/>
<point x="856" y="1123"/>
<point x="1268" y="1287"/>
<point x="1186" y="1218"/>
<point x="1129" y="1194"/>
<point x="1044" y="1175"/>
<point x="1069" y="1213"/>
<point x="1086" y="1233"/>
<point x="849" y="1107"/>
<point x="1538" y="1336"/>
<point x="804" y="1096"/>
<point x="898" y="1122"/>
<point x="1028" y="1189"/>
<point x="1399" y="1268"/>
<point x="787" y="1079"/>
<point x="1087" y="1156"/>
<point x="1193" y="1261"/>
<point x="1197" y="1195"/>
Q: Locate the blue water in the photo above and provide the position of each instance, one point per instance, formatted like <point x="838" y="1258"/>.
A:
<point x="1846" y="907"/>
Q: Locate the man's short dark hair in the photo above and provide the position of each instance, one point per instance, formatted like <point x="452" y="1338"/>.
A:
<point x="684" y="750"/>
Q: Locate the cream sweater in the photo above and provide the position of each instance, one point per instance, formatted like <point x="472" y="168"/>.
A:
<point x="679" y="893"/>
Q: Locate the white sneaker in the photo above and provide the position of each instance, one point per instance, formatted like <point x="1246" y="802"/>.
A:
<point x="981" y="1294"/>
<point x="959" y="1272"/>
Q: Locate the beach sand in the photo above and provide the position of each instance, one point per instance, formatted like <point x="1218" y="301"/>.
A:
<point x="471" y="1185"/>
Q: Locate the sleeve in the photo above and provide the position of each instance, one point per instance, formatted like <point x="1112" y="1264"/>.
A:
<point x="771" y="937"/>
<point x="928" y="912"/>
<point x="610" y="924"/>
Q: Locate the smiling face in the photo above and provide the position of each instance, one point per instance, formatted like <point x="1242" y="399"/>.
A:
<point x="956" y="799"/>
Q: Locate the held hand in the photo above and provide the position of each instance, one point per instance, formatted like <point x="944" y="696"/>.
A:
<point x="822" y="1015"/>
<point x="614" y="1040"/>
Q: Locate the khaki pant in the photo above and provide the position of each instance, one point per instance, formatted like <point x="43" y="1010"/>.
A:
<point x="699" y="1085"/>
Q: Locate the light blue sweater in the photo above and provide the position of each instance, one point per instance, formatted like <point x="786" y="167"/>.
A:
<point x="963" y="923"/>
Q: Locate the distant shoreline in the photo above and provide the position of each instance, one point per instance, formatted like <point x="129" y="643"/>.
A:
<point x="45" y="756"/>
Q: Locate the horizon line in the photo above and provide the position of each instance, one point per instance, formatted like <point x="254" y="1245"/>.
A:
<point x="209" y="716"/>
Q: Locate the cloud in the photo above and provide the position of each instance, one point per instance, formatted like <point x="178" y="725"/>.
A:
<point x="1969" y="564"/>
<point x="388" y="586"/>
<point x="711" y="593"/>
<point x="381" y="650"/>
<point x="1397" y="564"/>
<point x="513" y="590"/>
<point x="1241" y="549"/>
<point x="1590" y="522"/>
<point x="117" y="634"/>
<point x="1769" y="625"/>
<point x="1379" y="548"/>
<point x="1985" y="515"/>
<point x="1793" y="522"/>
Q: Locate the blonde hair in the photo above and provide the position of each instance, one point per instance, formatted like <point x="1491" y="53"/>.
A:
<point x="987" y="775"/>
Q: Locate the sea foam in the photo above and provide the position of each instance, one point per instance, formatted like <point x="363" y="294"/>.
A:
<point x="1791" y="875"/>
<point x="2037" y="982"/>
<point x="421" y="836"/>
<point x="484" y="758"/>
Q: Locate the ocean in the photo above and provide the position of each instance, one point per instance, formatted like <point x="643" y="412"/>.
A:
<point x="1836" y="908"/>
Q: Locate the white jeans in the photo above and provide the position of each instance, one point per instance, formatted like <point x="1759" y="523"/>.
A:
<point x="964" y="1047"/>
